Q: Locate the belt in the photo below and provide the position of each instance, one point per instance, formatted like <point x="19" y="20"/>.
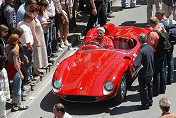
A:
<point x="52" y="17"/>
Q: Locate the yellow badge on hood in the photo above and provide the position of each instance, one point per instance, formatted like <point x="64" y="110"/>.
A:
<point x="134" y="55"/>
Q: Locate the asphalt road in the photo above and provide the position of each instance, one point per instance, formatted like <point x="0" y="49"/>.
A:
<point x="41" y="101"/>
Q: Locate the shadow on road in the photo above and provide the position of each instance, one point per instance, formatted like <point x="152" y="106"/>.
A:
<point x="88" y="108"/>
<point x="133" y="23"/>
<point x="122" y="109"/>
<point x="48" y="102"/>
<point x="116" y="8"/>
<point x="133" y="98"/>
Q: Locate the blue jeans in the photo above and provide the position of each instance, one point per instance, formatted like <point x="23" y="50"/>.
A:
<point x="109" y="7"/>
<point x="132" y="3"/>
<point x="170" y="62"/>
<point x="159" y="77"/>
<point x="17" y="88"/>
<point x="48" y="44"/>
<point x="28" y="66"/>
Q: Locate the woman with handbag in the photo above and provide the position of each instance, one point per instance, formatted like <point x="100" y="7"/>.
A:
<point x="13" y="70"/>
<point x="23" y="57"/>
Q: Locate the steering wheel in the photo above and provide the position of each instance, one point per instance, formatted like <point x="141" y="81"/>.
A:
<point x="92" y="45"/>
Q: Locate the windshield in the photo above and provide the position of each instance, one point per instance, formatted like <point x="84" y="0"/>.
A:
<point x="117" y="42"/>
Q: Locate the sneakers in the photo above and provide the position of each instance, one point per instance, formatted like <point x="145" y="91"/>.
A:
<point x="67" y="43"/>
<point x="60" y="49"/>
<point x="62" y="45"/>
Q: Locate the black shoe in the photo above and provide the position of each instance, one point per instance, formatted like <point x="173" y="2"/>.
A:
<point x="13" y="109"/>
<point x="27" y="82"/>
<point x="23" y="108"/>
<point x="51" y="61"/>
<point x="142" y="107"/>
<point x="155" y="94"/>
<point x="150" y="104"/>
<point x="169" y="83"/>
<point x="162" y="92"/>
<point x="54" y="55"/>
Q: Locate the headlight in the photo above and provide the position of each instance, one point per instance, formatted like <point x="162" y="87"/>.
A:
<point x="108" y="87"/>
<point x="57" y="84"/>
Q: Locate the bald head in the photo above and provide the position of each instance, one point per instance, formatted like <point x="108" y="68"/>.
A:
<point x="153" y="21"/>
<point x="60" y="107"/>
<point x="164" y="104"/>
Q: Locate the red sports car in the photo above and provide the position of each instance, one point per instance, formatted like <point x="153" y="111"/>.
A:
<point x="95" y="74"/>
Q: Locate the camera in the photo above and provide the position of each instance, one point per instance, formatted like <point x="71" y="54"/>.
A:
<point x="49" y="20"/>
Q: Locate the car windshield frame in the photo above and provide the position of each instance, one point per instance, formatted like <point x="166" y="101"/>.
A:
<point x="114" y="39"/>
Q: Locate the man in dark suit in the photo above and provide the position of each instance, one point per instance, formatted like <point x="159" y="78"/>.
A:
<point x="145" y="58"/>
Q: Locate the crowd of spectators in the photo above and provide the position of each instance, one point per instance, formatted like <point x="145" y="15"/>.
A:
<point x="29" y="34"/>
<point x="28" y="29"/>
<point x="161" y="66"/>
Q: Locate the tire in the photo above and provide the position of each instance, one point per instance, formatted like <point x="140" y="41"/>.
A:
<point x="120" y="97"/>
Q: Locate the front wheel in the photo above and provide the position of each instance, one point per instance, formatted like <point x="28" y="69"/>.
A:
<point x="120" y="97"/>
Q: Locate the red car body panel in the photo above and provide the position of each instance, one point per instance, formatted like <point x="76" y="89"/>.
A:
<point x="85" y="72"/>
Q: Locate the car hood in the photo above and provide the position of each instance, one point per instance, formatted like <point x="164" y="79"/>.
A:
<point x="93" y="63"/>
<point x="83" y="85"/>
<point x="86" y="72"/>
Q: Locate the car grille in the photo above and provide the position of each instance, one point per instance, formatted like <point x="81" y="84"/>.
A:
<point x="77" y="98"/>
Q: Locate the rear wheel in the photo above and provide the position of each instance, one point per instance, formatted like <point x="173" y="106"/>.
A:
<point x="120" y="97"/>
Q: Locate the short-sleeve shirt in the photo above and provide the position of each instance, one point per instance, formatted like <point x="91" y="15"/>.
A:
<point x="10" y="52"/>
<point x="21" y="11"/>
<point x="60" y="5"/>
<point x="51" y="8"/>
<point x="44" y="19"/>
<point x="27" y="36"/>
<point x="66" y="115"/>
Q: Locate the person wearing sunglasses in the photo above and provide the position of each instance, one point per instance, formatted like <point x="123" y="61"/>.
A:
<point x="3" y="33"/>
<point x="27" y="41"/>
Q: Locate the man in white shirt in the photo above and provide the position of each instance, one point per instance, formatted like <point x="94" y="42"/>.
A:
<point x="59" y="111"/>
<point x="27" y="42"/>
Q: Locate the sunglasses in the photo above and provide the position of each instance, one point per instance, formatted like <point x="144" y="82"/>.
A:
<point x="5" y="31"/>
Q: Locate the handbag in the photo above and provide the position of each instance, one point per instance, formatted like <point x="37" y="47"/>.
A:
<point x="11" y="70"/>
<point x="23" y="69"/>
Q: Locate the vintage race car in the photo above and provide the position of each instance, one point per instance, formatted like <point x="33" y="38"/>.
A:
<point x="95" y="73"/>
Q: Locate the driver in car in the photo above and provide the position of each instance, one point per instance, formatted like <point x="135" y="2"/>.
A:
<point x="103" y="40"/>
